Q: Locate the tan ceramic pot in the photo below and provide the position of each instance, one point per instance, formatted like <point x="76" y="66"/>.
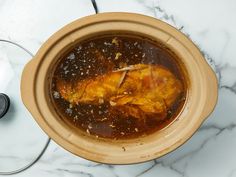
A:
<point x="200" y="101"/>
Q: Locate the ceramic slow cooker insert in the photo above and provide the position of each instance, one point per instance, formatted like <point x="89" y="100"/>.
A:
<point x="200" y="101"/>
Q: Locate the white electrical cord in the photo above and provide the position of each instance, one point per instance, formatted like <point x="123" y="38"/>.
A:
<point x="48" y="140"/>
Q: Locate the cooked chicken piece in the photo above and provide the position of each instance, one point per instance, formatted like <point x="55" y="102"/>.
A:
<point x="136" y="90"/>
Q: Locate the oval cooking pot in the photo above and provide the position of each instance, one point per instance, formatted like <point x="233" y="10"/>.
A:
<point x="200" y="101"/>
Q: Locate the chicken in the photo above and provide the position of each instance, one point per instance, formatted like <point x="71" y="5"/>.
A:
<point x="137" y="90"/>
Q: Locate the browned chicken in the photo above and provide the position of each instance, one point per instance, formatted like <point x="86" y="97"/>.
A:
<point x="136" y="90"/>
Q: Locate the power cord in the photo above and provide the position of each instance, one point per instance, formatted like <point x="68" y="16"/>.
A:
<point x="48" y="140"/>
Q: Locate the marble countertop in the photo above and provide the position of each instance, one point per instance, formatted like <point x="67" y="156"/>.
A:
<point x="210" y="24"/>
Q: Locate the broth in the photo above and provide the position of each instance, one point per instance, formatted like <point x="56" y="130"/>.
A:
<point x="94" y="61"/>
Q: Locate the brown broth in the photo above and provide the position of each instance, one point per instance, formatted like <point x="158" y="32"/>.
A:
<point x="97" y="56"/>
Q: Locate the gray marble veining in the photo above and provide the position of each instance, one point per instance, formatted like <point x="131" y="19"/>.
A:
<point x="210" y="24"/>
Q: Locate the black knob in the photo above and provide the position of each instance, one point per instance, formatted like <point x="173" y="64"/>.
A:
<point x="4" y="104"/>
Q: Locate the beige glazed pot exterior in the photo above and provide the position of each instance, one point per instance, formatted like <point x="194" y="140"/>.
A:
<point x="200" y="101"/>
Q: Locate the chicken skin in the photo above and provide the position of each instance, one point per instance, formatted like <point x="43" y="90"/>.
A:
<point x="137" y="90"/>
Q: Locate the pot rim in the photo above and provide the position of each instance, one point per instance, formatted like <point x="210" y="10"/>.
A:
<point x="35" y="76"/>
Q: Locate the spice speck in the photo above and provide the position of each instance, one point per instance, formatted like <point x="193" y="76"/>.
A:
<point x="71" y="56"/>
<point x="56" y="94"/>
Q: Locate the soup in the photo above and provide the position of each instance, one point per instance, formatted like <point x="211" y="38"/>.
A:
<point x="118" y="86"/>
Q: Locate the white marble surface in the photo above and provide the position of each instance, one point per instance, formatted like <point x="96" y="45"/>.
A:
<point x="210" y="24"/>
